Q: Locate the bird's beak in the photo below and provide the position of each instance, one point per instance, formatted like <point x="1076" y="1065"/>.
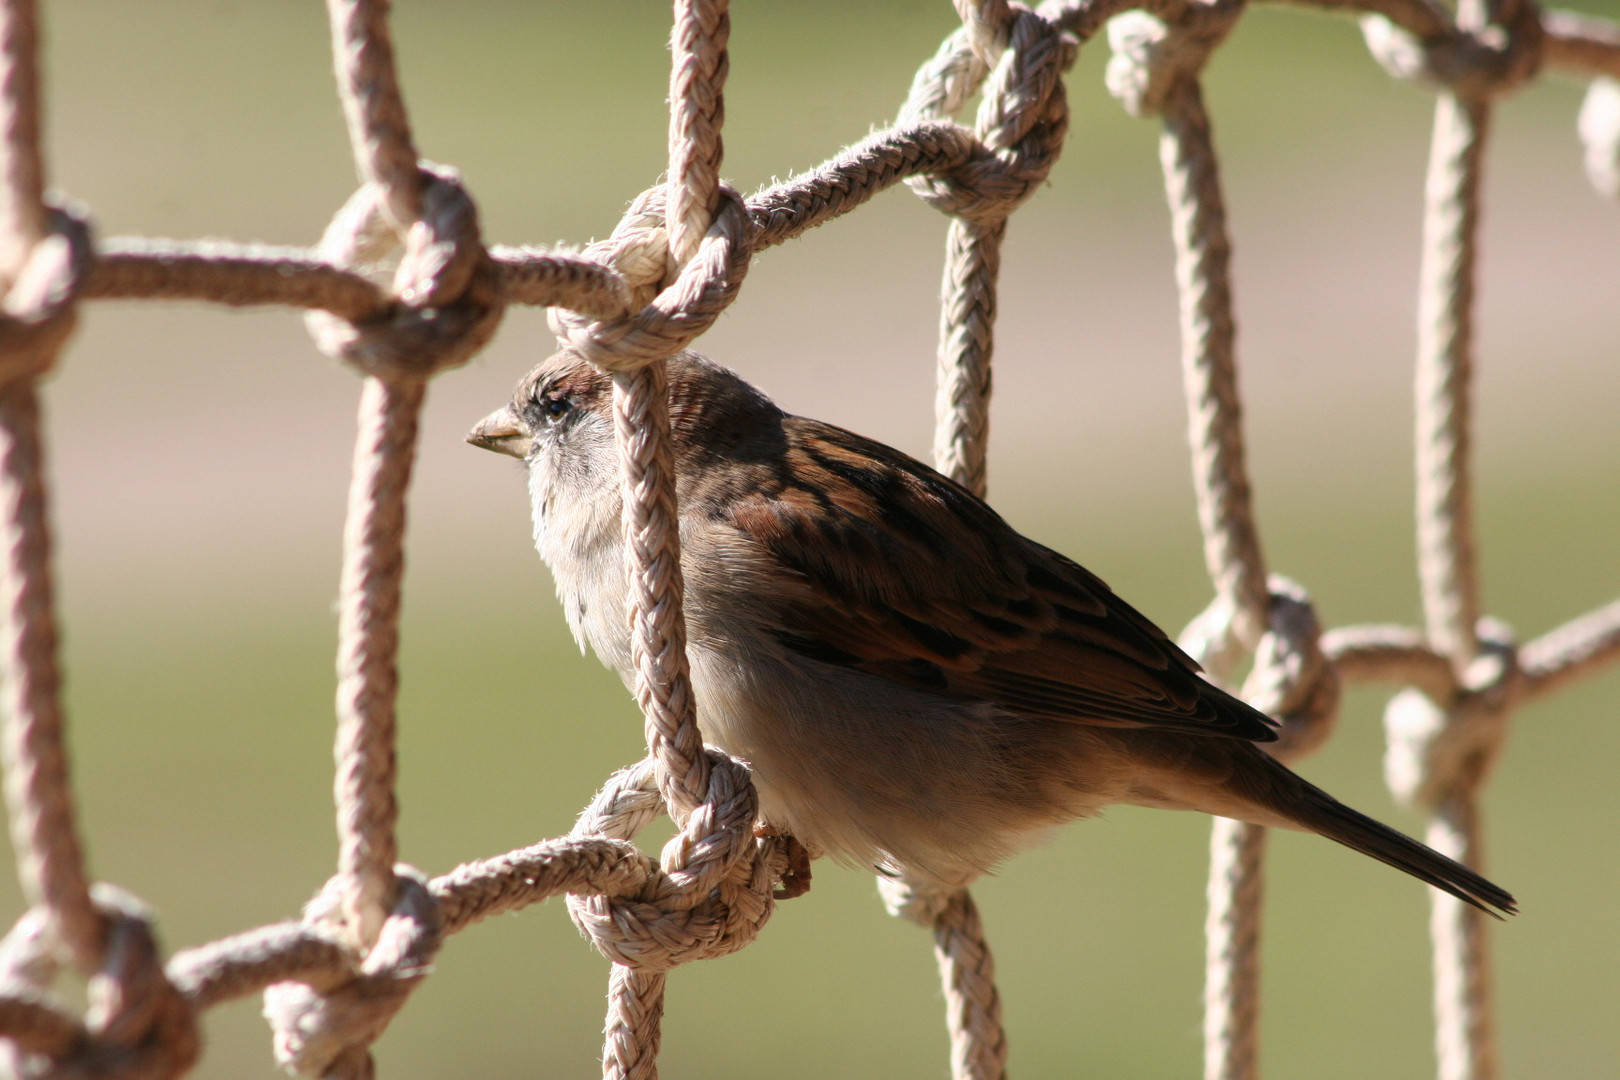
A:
<point x="502" y="432"/>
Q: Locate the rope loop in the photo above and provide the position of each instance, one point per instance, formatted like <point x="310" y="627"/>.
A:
<point x="1437" y="748"/>
<point x="138" y="1025"/>
<point x="671" y="313"/>
<point x="37" y="311"/>
<point x="448" y="300"/>
<point x="1291" y="680"/>
<point x="1476" y="65"/>
<point x="1023" y="113"/>
<point x="1150" y="57"/>
<point x="713" y="891"/>
<point x="326" y="1030"/>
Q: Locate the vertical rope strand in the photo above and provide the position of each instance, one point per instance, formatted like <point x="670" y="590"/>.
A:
<point x="652" y="539"/>
<point x="1444" y="374"/>
<point x="1465" y="1036"/>
<point x="368" y="647"/>
<point x="634" y="1029"/>
<point x="368" y="85"/>
<point x="652" y="544"/>
<point x="1209" y="360"/>
<point x="44" y="832"/>
<point x="1446" y="562"/>
<point x="697" y="110"/>
<point x="1232" y="950"/>
<point x="966" y="346"/>
<point x="1232" y="552"/>
<point x="967" y="972"/>
<point x="22" y="187"/>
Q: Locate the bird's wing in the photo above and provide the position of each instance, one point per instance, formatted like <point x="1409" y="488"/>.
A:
<point x="895" y="570"/>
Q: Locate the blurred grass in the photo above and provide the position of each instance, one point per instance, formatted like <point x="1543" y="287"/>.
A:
<point x="200" y="456"/>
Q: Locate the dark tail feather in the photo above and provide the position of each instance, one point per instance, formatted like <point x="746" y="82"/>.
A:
<point x="1322" y="813"/>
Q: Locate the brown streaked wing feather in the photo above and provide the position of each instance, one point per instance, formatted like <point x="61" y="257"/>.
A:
<point x="896" y="586"/>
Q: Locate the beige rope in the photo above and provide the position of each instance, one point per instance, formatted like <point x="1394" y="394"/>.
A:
<point x="653" y="548"/>
<point x="40" y="281"/>
<point x="43" y="830"/>
<point x="661" y="280"/>
<point x="1232" y="552"/>
<point x="380" y="133"/>
<point x="373" y="540"/>
<point x="1445" y="366"/>
<point x="443" y="259"/>
<point x="1464" y="1032"/>
<point x="1155" y="70"/>
<point x="696" y="111"/>
<point x="1440" y="748"/>
<point x="967" y="971"/>
<point x="22" y="187"/>
<point x="966" y="344"/>
<point x="634" y="1029"/>
<point x="1021" y="123"/>
<point x="368" y="635"/>
<point x="1232" y="949"/>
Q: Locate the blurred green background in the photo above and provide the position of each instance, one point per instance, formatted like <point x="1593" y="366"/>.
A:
<point x="200" y="463"/>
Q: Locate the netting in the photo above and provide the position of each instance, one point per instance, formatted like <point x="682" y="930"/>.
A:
<point x="334" y="980"/>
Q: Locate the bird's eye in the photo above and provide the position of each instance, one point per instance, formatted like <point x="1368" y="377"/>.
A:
<point x="556" y="406"/>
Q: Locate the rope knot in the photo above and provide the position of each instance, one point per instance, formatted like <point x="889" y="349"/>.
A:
<point x="1433" y="748"/>
<point x="138" y="1025"/>
<point x="713" y="890"/>
<point x="37" y="312"/>
<point x="447" y="300"/>
<point x="674" y="305"/>
<point x="1291" y="679"/>
<point x="1473" y="64"/>
<point x="1023" y="114"/>
<point x="326" y="1030"/>
<point x="1151" y="57"/>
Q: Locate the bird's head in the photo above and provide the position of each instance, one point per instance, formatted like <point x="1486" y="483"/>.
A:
<point x="564" y="407"/>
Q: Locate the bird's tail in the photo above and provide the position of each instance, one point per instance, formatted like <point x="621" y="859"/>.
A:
<point x="1316" y="810"/>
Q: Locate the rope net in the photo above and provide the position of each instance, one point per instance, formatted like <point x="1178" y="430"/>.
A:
<point x="333" y="980"/>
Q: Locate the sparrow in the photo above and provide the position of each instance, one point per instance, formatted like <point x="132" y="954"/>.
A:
<point x="917" y="687"/>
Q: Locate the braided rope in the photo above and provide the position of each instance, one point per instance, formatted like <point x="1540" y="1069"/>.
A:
<point x="39" y="799"/>
<point x="697" y="111"/>
<point x="374" y="535"/>
<point x="1464" y="1032"/>
<point x="368" y="633"/>
<point x="334" y="980"/>
<point x="22" y="187"/>
<point x="1022" y="118"/>
<point x="1155" y="70"/>
<point x="1232" y="552"/>
<point x="50" y="862"/>
<point x="653" y="545"/>
<point x="379" y="130"/>
<point x="1445" y="363"/>
<point x="967" y="972"/>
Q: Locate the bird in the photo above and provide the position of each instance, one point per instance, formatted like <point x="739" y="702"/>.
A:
<point x="917" y="687"/>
